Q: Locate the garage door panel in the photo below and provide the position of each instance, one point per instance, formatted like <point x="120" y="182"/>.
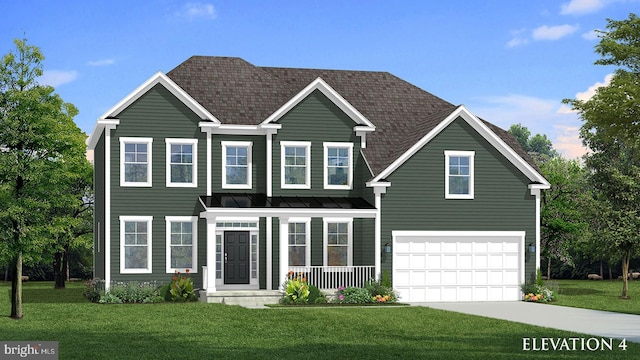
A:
<point x="467" y="267"/>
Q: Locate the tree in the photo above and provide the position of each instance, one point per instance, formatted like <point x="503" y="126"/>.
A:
<point x="611" y="128"/>
<point x="539" y="146"/>
<point x="563" y="222"/>
<point x="37" y="135"/>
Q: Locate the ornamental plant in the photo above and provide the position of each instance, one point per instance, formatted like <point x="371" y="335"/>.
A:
<point x="182" y="288"/>
<point x="296" y="289"/>
<point x="538" y="291"/>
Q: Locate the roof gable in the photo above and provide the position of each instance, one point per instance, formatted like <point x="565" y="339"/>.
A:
<point x="462" y="112"/>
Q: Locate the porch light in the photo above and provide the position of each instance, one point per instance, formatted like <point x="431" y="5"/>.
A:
<point x="532" y="248"/>
<point x="387" y="248"/>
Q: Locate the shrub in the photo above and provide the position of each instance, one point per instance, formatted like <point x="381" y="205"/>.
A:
<point x="380" y="293"/>
<point x="352" y="295"/>
<point x="296" y="289"/>
<point x="93" y="289"/>
<point x="165" y="292"/>
<point x="182" y="289"/>
<point x="131" y="292"/>
<point x="538" y="290"/>
<point x="386" y="280"/>
<point x="316" y="296"/>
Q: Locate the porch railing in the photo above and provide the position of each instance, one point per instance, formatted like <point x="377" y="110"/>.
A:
<point x="333" y="277"/>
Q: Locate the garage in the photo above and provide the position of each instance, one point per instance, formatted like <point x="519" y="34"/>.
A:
<point x="453" y="266"/>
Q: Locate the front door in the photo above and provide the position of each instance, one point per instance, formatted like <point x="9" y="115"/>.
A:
<point x="236" y="257"/>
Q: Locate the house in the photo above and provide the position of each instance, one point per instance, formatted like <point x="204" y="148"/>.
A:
<point x="242" y="173"/>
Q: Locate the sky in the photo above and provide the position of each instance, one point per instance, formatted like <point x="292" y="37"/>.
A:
<point x="507" y="61"/>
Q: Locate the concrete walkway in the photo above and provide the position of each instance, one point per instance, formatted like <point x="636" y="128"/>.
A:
<point x="592" y="322"/>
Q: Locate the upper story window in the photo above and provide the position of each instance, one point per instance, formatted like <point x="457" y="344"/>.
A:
<point x="135" y="244"/>
<point x="182" y="162"/>
<point x="338" y="165"/>
<point x="236" y="164"/>
<point x="459" y="177"/>
<point x="135" y="161"/>
<point x="295" y="157"/>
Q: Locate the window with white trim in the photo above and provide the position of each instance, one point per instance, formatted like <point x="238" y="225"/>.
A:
<point x="135" y="161"/>
<point x="182" y="243"/>
<point x="299" y="245"/>
<point x="135" y="244"/>
<point x="459" y="178"/>
<point x="295" y="172"/>
<point x="338" y="242"/>
<point x="236" y="164"/>
<point x="182" y="160"/>
<point x="338" y="165"/>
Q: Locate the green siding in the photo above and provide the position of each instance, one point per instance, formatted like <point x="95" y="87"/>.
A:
<point x="157" y="114"/>
<point x="317" y="119"/>
<point x="502" y="200"/>
<point x="98" y="217"/>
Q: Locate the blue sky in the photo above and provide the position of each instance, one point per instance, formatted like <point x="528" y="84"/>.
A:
<point x="508" y="61"/>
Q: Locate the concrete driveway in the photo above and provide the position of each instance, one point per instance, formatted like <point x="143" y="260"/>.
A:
<point x="592" y="322"/>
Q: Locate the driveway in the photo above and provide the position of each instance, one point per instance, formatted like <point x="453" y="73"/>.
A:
<point x="593" y="322"/>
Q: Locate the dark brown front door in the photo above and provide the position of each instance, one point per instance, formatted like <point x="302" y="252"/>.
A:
<point x="236" y="257"/>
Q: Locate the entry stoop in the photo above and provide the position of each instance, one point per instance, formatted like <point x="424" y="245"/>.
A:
<point x="246" y="298"/>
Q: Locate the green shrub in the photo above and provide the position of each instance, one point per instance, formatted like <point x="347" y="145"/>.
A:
<point x="316" y="296"/>
<point x="131" y="292"/>
<point x="352" y="295"/>
<point x="165" y="292"/>
<point x="386" y="280"/>
<point x="182" y="289"/>
<point x="110" y="298"/>
<point x="537" y="290"/>
<point x="93" y="289"/>
<point x="296" y="290"/>
<point x="380" y="293"/>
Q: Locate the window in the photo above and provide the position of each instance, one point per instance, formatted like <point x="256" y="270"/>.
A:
<point x="295" y="157"/>
<point x="135" y="244"/>
<point x="299" y="249"/>
<point x="182" y="160"/>
<point x="182" y="243"/>
<point x="135" y="161"/>
<point x="338" y="239"/>
<point x="459" y="174"/>
<point x="236" y="165"/>
<point x="338" y="165"/>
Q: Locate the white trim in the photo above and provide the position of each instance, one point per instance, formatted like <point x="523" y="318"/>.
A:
<point x="210" y="286"/>
<point x="269" y="153"/>
<point x="307" y="146"/>
<point x="233" y="129"/>
<point x="107" y="203"/>
<point x="209" y="168"/>
<point x="149" y="221"/>
<point x="283" y="248"/>
<point x="100" y="127"/>
<point x="347" y="145"/>
<point x="329" y="92"/>
<point x="377" y="235"/>
<point x="447" y="155"/>
<point x="269" y="255"/>
<point x="249" y="146"/>
<point x="288" y="212"/>
<point x="194" y="242"/>
<point x="194" y="161"/>
<point x="136" y="140"/>
<point x="483" y="130"/>
<point x="307" y="238"/>
<point x="325" y="240"/>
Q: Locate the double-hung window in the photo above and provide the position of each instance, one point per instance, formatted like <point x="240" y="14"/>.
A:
<point x="296" y="165"/>
<point x="338" y="242"/>
<point x="236" y="164"/>
<point x="182" y="160"/>
<point x="135" y="161"/>
<point x="459" y="178"/>
<point x="338" y="165"/>
<point x="182" y="243"/>
<point x="299" y="245"/>
<point x="135" y="244"/>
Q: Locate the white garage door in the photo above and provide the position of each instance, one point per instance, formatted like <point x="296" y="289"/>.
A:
<point x="458" y="266"/>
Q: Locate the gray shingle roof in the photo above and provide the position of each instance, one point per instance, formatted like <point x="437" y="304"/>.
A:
<point x="237" y="92"/>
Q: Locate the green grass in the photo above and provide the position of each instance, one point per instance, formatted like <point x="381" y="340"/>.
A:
<point x="599" y="295"/>
<point x="212" y="331"/>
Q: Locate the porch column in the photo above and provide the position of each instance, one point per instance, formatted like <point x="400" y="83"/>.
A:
<point x="269" y="253"/>
<point x="210" y="286"/>
<point x="377" y="235"/>
<point x="284" y="250"/>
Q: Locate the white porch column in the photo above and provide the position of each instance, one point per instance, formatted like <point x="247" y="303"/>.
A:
<point x="535" y="191"/>
<point x="210" y="286"/>
<point x="284" y="249"/>
<point x="377" y="236"/>
<point x="269" y="241"/>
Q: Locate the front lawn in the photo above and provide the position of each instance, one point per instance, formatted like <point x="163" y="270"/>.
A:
<point x="212" y="331"/>
<point x="599" y="295"/>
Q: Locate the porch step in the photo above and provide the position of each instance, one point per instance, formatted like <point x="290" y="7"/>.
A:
<point x="246" y="298"/>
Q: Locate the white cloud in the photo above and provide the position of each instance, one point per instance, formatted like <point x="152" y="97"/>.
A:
<point x="579" y="7"/>
<point x="197" y="10"/>
<point x="540" y="116"/>
<point x="101" y="62"/>
<point x="545" y="32"/>
<point x="590" y="35"/>
<point x="587" y="94"/>
<point x="57" y="77"/>
<point x="519" y="38"/>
